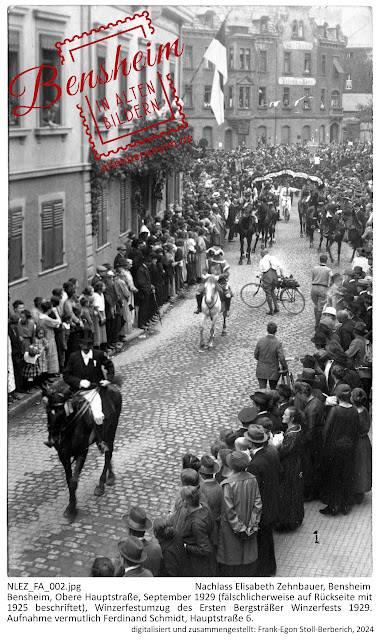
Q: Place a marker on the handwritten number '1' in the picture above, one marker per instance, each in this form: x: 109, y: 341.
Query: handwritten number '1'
x: 316, y: 537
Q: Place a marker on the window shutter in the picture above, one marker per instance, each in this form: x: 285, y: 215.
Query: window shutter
x: 58, y: 233
x: 123, y: 205
x: 15, y: 244
x: 47, y: 235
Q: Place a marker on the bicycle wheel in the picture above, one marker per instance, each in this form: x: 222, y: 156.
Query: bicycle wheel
x: 293, y: 301
x: 253, y: 295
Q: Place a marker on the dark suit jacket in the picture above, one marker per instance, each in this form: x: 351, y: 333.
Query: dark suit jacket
x: 345, y: 333
x: 76, y: 370
x: 143, y: 279
x: 269, y: 355
x: 265, y: 465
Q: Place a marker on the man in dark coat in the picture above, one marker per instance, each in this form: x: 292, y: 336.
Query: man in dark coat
x: 265, y: 465
x: 120, y: 257
x: 269, y: 355
x: 345, y: 330
x: 143, y: 283
x: 137, y: 524
x: 84, y: 372
x: 132, y: 559
x: 211, y: 490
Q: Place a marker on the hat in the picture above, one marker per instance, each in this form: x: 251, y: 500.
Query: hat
x: 216, y: 194
x: 337, y: 355
x: 132, y: 549
x: 360, y: 327
x: 307, y: 375
x: 257, y: 434
x: 101, y: 268
x: 217, y: 251
x: 85, y: 335
x: 32, y: 355
x: 237, y: 460
x: 357, y: 269
x: 319, y: 339
x: 308, y: 361
x: 248, y: 415
x: 331, y: 311
x: 137, y: 519
x: 111, y: 273
x: 348, y: 272
x: 260, y: 398
x: 208, y: 465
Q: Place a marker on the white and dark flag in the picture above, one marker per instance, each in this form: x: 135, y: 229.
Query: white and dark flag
x: 217, y: 54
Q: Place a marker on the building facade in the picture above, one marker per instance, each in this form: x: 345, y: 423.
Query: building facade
x: 358, y: 93
x: 50, y: 205
x: 285, y: 77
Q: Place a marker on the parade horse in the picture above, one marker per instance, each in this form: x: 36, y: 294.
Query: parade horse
x: 246, y: 227
x: 212, y: 307
x: 71, y: 423
x: 355, y: 228
x: 266, y: 222
x: 333, y: 229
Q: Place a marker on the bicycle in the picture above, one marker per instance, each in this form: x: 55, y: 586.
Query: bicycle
x: 293, y: 301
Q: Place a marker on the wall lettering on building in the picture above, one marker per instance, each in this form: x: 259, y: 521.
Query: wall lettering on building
x: 304, y: 82
x: 298, y: 45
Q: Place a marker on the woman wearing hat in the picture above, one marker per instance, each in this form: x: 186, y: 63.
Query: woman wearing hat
x: 338, y: 459
x: 241, y: 511
x: 356, y: 350
x: 196, y: 535
x: 363, y: 465
x: 132, y: 557
x: 291, y: 510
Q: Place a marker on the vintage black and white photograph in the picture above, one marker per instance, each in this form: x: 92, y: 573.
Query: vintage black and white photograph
x: 190, y: 291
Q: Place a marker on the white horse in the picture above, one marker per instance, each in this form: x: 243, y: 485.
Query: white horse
x: 211, y: 308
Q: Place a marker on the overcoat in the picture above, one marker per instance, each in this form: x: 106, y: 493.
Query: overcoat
x: 265, y: 465
x: 269, y: 355
x: 76, y: 370
x: 241, y: 511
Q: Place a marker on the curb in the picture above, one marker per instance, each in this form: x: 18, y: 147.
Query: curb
x: 35, y: 398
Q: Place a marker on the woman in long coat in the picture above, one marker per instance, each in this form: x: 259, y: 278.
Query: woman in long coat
x: 196, y: 536
x: 201, y: 254
x: 49, y: 324
x: 338, y: 459
x: 363, y: 462
x: 291, y: 510
x: 241, y: 512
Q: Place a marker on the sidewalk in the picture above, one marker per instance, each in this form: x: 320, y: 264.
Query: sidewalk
x: 35, y: 398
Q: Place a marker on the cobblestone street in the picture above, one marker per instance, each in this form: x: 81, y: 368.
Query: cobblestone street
x: 175, y: 400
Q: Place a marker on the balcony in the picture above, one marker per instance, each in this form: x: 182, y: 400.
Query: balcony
x: 336, y: 111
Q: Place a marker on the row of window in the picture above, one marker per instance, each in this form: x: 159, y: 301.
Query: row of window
x: 297, y: 26
x: 244, y: 97
x: 261, y: 136
x: 242, y: 60
x: 48, y: 55
x: 52, y: 230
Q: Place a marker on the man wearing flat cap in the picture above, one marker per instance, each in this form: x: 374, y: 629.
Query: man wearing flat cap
x: 241, y: 511
x: 132, y: 557
x: 101, y: 271
x: 120, y: 257
x: 265, y: 465
x: 246, y: 416
x: 137, y: 524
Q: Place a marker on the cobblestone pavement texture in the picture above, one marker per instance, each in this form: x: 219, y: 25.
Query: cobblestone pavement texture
x: 175, y: 400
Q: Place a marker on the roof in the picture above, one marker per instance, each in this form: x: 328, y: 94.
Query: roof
x: 351, y: 100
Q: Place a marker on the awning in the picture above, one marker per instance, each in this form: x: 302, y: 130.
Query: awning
x: 337, y: 66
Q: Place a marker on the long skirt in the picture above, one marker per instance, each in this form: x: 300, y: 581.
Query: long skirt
x: 363, y: 466
x: 100, y: 336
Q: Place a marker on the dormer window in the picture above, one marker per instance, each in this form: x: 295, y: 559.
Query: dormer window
x: 209, y: 20
x: 264, y: 24
x: 294, y: 29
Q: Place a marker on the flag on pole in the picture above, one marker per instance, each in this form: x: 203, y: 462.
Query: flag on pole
x: 217, y: 54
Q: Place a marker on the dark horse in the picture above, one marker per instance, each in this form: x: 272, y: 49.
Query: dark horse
x: 266, y: 221
x: 246, y: 226
x: 73, y: 435
x: 355, y: 226
x: 333, y: 229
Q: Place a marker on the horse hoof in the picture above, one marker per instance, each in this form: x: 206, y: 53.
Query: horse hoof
x: 70, y: 513
x: 249, y: 262
x: 99, y: 490
x: 110, y: 481
x: 224, y: 333
x: 301, y: 235
x: 240, y: 262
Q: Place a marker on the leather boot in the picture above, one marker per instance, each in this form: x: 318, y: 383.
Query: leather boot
x: 199, y: 303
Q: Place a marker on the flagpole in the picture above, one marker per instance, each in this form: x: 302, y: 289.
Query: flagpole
x: 199, y: 66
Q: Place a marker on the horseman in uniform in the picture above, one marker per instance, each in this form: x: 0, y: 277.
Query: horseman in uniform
x: 216, y: 265
x: 84, y: 375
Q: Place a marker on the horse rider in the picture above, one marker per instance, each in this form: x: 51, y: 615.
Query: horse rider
x: 84, y: 375
x: 217, y: 266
